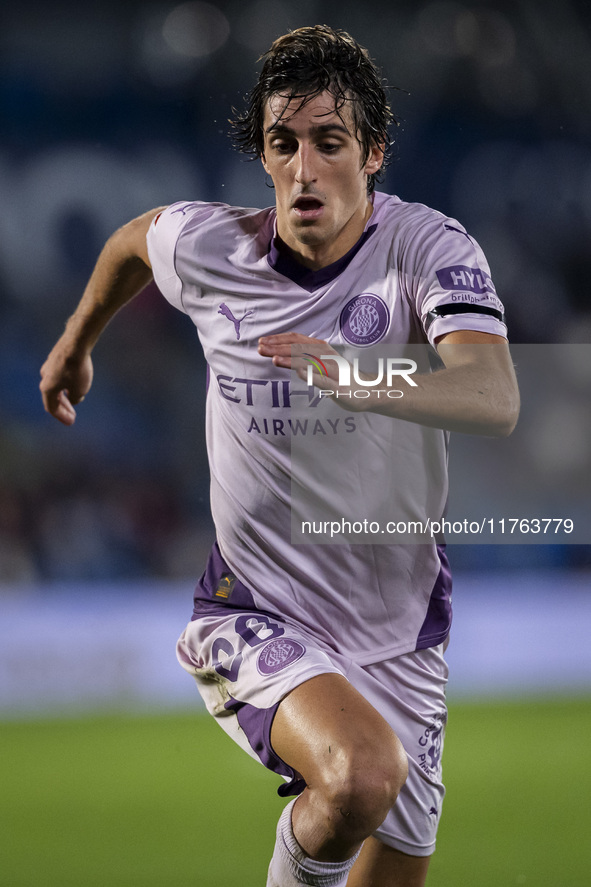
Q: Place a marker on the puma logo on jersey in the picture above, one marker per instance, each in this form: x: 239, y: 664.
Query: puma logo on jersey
x: 235, y: 320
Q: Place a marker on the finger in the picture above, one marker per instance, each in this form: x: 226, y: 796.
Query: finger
x: 284, y: 361
x: 287, y: 361
x: 268, y: 349
x: 50, y: 398
x: 65, y: 415
x: 295, y: 350
x: 60, y: 408
x: 286, y: 340
x: 282, y: 338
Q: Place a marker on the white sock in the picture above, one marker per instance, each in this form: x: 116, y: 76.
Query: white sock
x: 290, y: 867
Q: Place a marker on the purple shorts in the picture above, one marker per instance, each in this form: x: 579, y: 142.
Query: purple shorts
x: 245, y: 662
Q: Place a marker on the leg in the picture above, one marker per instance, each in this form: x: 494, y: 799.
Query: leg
x: 381, y: 866
x: 352, y: 761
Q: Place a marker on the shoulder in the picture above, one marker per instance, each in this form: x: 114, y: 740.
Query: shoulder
x: 404, y: 218
x: 191, y: 215
x: 199, y: 228
x: 417, y: 232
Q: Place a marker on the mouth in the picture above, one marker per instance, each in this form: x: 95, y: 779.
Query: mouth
x: 308, y: 208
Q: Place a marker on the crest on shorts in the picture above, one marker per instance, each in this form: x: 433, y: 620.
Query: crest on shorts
x: 364, y: 320
x: 278, y: 654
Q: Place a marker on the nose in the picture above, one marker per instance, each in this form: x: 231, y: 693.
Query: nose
x: 305, y: 171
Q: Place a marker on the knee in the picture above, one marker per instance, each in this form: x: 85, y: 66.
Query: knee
x: 366, y: 781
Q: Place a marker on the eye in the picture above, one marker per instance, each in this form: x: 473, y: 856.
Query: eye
x: 329, y: 147
x: 280, y: 146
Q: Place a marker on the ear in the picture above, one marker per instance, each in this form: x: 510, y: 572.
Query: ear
x: 375, y: 160
x: 264, y: 162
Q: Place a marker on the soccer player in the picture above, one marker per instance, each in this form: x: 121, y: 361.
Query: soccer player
x: 325, y: 663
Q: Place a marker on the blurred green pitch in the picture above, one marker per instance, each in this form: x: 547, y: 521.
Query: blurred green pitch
x: 169, y: 800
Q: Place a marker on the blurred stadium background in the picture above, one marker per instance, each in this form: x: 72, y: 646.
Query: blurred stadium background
x: 110, y: 108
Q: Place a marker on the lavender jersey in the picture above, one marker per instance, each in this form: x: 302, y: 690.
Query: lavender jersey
x: 414, y: 276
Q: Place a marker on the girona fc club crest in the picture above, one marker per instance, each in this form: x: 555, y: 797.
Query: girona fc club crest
x: 278, y: 654
x: 364, y: 319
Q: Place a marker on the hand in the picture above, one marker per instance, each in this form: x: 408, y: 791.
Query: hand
x: 294, y: 351
x: 307, y: 356
x: 65, y: 381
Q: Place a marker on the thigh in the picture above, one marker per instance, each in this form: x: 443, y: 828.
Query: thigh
x: 409, y: 691
x: 244, y: 663
x: 326, y: 726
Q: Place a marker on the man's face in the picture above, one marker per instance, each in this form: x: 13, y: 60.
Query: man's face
x: 313, y: 156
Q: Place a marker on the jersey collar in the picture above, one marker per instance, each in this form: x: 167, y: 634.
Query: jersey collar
x: 281, y: 260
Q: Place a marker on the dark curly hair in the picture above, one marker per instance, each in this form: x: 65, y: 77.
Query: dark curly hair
x: 306, y: 62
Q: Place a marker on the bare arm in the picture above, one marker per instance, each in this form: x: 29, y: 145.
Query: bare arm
x: 121, y: 272
x: 476, y: 393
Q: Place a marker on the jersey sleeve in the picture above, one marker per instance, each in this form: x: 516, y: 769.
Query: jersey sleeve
x: 453, y: 287
x: 162, y: 241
